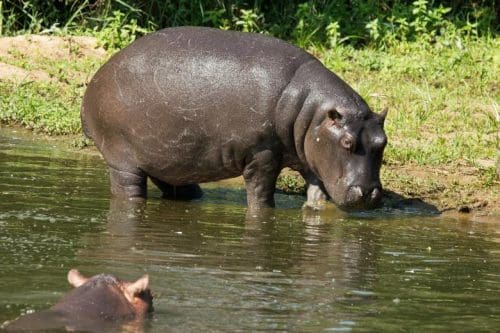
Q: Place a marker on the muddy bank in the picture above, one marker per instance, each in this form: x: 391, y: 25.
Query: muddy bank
x: 458, y: 193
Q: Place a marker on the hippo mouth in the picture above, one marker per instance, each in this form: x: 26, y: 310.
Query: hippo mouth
x: 358, y: 198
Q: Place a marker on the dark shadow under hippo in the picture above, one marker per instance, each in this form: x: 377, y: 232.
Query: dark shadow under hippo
x: 102, y: 303
x: 189, y: 105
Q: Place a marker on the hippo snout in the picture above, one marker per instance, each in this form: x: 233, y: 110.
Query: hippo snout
x: 359, y: 197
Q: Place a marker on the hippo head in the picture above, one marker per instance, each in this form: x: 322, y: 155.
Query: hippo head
x: 108, y: 296
x: 345, y: 151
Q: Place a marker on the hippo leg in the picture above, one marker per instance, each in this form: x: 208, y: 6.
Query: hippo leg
x: 316, y: 194
x: 186, y: 192
x: 128, y: 184
x: 260, y: 176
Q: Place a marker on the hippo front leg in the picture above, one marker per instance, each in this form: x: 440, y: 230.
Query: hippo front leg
x: 316, y: 194
x: 260, y: 176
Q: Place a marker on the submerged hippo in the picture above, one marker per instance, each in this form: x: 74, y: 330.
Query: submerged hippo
x: 189, y: 105
x: 101, y: 303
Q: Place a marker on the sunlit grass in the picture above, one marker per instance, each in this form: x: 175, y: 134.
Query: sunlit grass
x: 443, y: 103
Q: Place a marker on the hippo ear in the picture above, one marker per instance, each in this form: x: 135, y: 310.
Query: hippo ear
x: 383, y: 114
x: 75, y: 278
x: 135, y: 288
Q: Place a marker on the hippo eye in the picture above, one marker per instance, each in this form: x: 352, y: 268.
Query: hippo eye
x: 335, y: 117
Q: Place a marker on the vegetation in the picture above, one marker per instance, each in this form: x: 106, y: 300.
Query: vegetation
x: 434, y: 64
x: 303, y: 22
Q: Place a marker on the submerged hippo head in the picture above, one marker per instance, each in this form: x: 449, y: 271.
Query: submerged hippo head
x: 102, y: 303
x: 345, y: 151
x: 108, y: 296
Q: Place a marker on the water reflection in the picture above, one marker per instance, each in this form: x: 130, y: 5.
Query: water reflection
x: 218, y: 268
x: 287, y: 269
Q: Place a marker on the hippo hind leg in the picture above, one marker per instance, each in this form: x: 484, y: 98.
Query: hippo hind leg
x: 185, y: 192
x: 128, y: 184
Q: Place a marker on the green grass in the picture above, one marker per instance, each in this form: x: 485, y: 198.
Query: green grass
x: 51, y: 107
x: 40, y: 106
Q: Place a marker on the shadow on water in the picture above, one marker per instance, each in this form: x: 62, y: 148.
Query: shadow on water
x: 214, y: 268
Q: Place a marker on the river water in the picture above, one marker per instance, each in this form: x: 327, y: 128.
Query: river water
x: 215, y: 269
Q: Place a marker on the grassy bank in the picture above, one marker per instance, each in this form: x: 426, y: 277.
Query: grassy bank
x: 43, y: 79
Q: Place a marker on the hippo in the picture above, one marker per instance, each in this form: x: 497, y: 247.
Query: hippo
x: 101, y: 303
x: 188, y: 105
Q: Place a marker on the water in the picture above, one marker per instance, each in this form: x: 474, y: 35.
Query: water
x: 215, y: 269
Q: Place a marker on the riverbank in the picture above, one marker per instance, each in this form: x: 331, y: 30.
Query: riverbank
x: 442, y: 123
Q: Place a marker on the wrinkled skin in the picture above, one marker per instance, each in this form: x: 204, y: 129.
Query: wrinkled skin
x: 190, y: 105
x: 102, y: 303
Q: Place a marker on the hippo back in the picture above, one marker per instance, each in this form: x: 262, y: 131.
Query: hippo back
x: 190, y: 92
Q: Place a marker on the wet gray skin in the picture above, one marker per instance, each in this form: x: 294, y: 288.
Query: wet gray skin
x: 214, y: 268
x: 190, y: 105
x: 102, y: 303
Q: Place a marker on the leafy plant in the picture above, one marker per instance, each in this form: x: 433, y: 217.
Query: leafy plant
x: 424, y: 24
x: 383, y: 24
x: 334, y: 37
x: 118, y: 32
x: 249, y: 20
x: 305, y: 29
x: 292, y: 184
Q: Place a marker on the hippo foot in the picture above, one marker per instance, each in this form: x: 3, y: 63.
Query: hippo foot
x: 315, y: 205
x: 316, y: 198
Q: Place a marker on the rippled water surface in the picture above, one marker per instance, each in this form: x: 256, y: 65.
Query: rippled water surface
x: 215, y: 269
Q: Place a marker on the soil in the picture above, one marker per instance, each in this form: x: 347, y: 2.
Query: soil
x: 17, y: 74
x: 461, y: 191
x: 50, y: 47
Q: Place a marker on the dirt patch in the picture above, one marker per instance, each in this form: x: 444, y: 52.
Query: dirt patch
x: 462, y: 191
x: 32, y: 48
x: 53, y: 47
x: 16, y: 74
x: 459, y: 190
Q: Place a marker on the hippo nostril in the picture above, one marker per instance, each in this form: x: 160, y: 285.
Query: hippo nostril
x: 355, y: 193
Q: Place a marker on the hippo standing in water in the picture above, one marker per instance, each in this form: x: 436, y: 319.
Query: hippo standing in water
x: 102, y: 303
x: 189, y: 105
